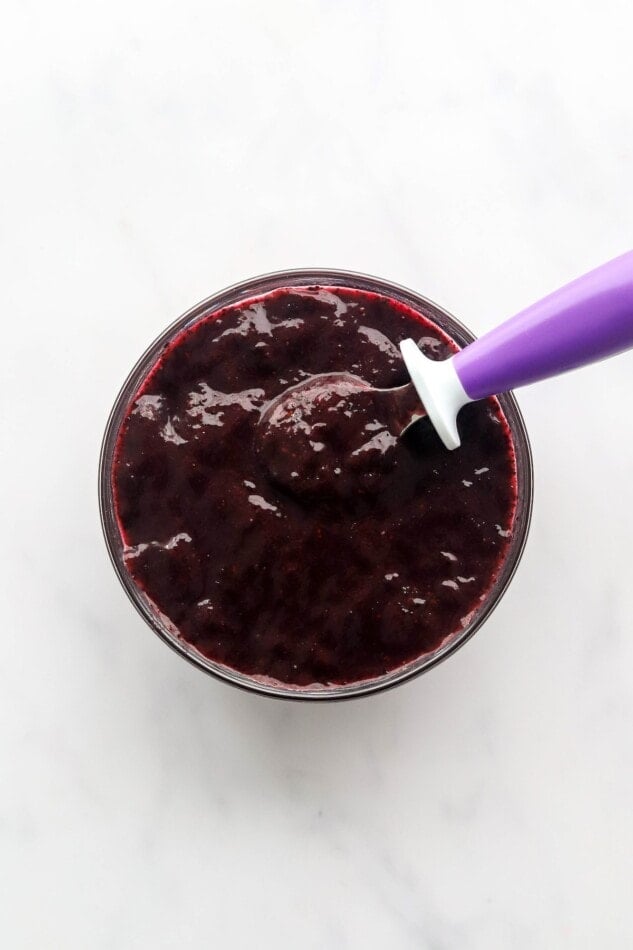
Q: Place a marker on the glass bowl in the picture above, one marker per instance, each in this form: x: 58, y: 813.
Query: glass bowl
x: 160, y: 624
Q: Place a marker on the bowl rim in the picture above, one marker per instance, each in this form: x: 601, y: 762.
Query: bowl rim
x: 253, y: 287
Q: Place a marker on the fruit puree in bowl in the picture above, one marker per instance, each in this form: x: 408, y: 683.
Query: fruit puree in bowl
x: 322, y: 559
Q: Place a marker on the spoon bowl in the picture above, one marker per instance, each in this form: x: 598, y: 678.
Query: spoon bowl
x: 333, y: 434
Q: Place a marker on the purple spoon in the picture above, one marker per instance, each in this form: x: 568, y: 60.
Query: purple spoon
x: 583, y: 322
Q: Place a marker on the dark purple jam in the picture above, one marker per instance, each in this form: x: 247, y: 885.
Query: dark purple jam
x: 303, y: 564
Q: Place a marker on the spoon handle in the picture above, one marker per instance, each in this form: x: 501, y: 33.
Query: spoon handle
x: 585, y: 321
x: 581, y: 323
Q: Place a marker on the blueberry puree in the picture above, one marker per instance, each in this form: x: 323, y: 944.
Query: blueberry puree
x: 318, y: 547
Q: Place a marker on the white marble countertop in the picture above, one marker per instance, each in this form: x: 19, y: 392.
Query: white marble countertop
x: 153, y: 153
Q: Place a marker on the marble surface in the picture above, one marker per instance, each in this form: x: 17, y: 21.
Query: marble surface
x: 151, y: 154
